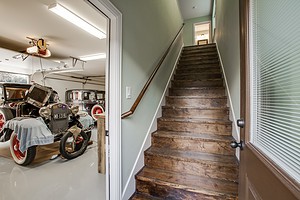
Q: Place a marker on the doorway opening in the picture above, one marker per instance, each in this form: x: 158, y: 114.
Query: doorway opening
x: 202, y: 33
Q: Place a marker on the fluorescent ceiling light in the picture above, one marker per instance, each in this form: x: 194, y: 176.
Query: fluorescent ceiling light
x: 71, y: 17
x: 93, y: 57
x: 65, y: 70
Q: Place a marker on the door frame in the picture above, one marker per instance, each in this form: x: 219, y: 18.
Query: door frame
x: 113, y: 86
x: 210, y: 32
x: 245, y: 61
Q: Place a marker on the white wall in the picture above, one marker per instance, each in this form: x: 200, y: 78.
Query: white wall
x: 227, y: 39
x: 148, y: 29
x: 188, y: 32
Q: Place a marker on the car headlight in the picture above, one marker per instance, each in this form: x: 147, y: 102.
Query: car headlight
x: 74, y: 109
x: 45, y: 112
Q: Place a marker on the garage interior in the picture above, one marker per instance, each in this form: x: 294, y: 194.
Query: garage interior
x: 63, y: 65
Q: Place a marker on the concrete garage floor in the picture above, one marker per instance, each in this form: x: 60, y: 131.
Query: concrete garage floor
x: 56, y: 179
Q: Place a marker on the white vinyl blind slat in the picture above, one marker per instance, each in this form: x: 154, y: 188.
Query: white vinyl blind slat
x: 283, y: 159
x: 294, y: 165
x: 295, y: 162
x: 275, y: 78
x: 283, y: 136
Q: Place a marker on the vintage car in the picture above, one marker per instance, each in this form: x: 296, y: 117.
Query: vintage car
x: 90, y: 101
x: 10, y: 95
x: 40, y: 120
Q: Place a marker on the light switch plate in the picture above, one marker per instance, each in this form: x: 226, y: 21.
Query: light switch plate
x: 128, y: 92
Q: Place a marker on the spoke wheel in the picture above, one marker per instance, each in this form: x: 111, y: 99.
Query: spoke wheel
x: 5, y: 115
x: 96, y: 110
x: 20, y: 158
x: 71, y: 147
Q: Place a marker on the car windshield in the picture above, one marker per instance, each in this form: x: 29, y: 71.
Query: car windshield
x: 100, y: 95
x: 13, y: 93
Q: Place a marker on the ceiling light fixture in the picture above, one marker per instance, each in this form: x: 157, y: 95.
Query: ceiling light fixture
x: 93, y: 57
x: 71, y: 17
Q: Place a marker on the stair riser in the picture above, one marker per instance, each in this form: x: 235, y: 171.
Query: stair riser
x: 200, y: 93
x: 204, y: 169
x: 198, y: 70
x: 198, y: 76
x: 192, y: 57
x: 198, y: 57
x: 198, y: 66
x: 167, y: 192
x: 200, y: 103
x: 195, y: 113
x: 205, y: 83
x: 199, y: 62
x: 217, y: 129
x: 204, y: 49
x: 198, y: 53
x: 198, y: 145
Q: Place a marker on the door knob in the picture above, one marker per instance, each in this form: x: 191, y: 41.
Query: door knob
x: 240, y: 123
x: 235, y: 144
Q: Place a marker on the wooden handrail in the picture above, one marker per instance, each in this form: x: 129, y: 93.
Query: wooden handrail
x: 143, y: 91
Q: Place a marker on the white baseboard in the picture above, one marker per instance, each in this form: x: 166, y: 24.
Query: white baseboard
x: 232, y: 117
x: 129, y: 188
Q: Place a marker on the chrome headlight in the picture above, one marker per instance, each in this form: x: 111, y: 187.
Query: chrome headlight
x: 74, y: 109
x: 45, y: 112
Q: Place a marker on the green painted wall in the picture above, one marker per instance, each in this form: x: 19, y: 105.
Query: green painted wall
x: 188, y: 31
x: 148, y: 29
x: 227, y: 38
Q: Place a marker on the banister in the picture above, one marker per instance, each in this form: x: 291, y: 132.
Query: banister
x: 143, y: 91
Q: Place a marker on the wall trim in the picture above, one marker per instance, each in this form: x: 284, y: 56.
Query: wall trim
x: 235, y: 130
x: 129, y: 188
x: 113, y: 86
x: 199, y: 23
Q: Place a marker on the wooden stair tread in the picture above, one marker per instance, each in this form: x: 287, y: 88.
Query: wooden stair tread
x: 195, y: 156
x: 192, y: 136
x: 198, y: 120
x: 200, y: 88
x: 194, y: 108
x: 200, y: 73
x: 200, y: 46
x: 199, y: 59
x: 213, y: 53
x: 197, y: 83
x: 198, y: 65
x: 196, y: 76
x: 188, y: 182
x: 141, y: 196
x: 199, y: 62
x: 196, y: 97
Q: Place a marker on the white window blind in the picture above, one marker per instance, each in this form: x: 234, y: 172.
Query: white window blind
x: 275, y: 72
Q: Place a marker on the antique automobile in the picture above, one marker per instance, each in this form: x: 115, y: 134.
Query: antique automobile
x: 10, y: 95
x: 90, y: 101
x: 41, y: 120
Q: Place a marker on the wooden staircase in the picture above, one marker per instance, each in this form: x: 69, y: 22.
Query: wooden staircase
x: 190, y: 156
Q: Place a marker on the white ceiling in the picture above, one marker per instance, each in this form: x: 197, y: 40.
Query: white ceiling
x: 31, y: 18
x: 195, y: 8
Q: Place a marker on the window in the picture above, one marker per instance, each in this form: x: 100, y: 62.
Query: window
x: 6, y: 77
x: 275, y: 68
